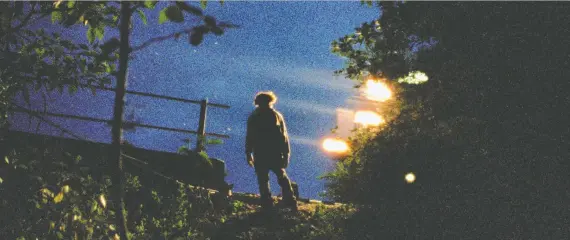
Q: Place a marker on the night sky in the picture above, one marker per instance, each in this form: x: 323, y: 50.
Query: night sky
x: 280, y: 46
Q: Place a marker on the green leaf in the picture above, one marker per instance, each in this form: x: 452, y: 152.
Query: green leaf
x: 70, y: 4
x: 72, y: 89
x: 40, y: 51
x: 369, y: 3
x: 82, y: 65
x: 196, y: 38
x: 58, y: 198
x: 142, y: 16
x: 150, y: 4
x: 174, y: 14
x: 183, y: 149
x: 94, y: 206
x: 189, y: 8
x: 162, y: 16
x: 56, y: 16
x: 91, y: 34
x: 1, y: 180
x: 107, y: 67
x: 203, y: 4
x: 68, y: 44
x: 210, y: 21
x: 110, y: 46
x: 214, y: 141
x: 100, y: 32
x: 6, y: 160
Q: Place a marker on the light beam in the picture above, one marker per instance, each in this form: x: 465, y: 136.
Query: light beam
x: 377, y: 91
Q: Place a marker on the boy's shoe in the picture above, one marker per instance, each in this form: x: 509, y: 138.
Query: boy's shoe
x: 266, y: 203
x: 292, y: 204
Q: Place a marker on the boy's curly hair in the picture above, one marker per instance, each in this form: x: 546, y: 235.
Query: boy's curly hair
x: 265, y: 98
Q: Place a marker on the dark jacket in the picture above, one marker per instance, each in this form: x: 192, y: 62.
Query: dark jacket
x: 260, y: 127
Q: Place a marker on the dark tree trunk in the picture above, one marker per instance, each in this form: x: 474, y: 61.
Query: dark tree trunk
x: 117, y: 134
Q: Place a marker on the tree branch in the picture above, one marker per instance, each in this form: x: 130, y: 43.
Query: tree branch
x: 117, y: 128
x: 160, y: 39
x: 25, y: 22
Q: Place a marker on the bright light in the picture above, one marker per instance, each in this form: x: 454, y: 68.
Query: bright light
x: 416, y: 77
x: 368, y: 118
x: 410, y: 177
x: 335, y: 145
x: 103, y: 201
x: 377, y: 91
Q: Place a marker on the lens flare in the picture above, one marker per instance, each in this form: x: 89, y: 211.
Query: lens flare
x: 377, y: 91
x: 410, y: 177
x: 368, y: 118
x: 335, y: 145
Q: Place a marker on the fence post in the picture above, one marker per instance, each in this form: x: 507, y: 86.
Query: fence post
x: 202, y: 126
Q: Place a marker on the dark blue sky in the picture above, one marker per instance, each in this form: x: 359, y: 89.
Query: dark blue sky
x: 280, y: 46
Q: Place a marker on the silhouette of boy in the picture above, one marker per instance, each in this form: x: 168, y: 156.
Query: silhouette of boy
x: 267, y: 148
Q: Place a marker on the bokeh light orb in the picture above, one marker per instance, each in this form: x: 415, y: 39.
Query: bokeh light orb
x: 410, y: 177
x: 368, y: 118
x: 334, y: 145
x: 377, y: 91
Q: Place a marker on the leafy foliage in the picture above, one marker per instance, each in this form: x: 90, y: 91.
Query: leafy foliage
x: 467, y: 131
x: 49, y: 61
x: 44, y: 196
x: 51, y: 194
x: 46, y: 60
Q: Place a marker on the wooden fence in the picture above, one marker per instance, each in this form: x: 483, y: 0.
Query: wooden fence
x: 200, y: 132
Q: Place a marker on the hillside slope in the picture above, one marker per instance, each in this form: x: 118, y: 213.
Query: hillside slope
x: 313, y: 220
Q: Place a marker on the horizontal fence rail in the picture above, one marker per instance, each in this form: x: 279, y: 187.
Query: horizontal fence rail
x: 127, y: 123
x: 158, y: 96
x: 201, y: 131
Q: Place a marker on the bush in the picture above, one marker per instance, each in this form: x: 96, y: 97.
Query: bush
x: 51, y: 194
